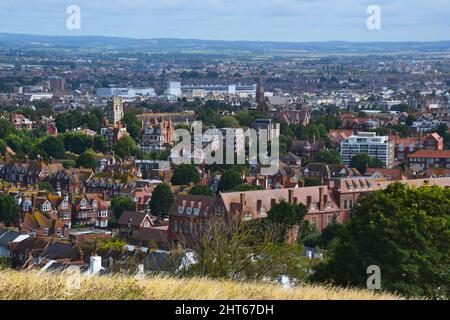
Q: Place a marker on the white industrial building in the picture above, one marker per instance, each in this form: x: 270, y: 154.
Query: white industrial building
x: 125, y: 93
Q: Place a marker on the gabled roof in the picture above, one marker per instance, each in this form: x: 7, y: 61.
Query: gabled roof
x: 59, y: 250
x: 135, y: 219
x: 30, y: 244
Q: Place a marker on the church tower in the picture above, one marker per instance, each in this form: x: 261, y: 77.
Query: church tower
x: 260, y: 98
x: 262, y: 102
x: 114, y: 110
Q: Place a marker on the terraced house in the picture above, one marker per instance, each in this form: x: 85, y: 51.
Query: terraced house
x: 325, y: 204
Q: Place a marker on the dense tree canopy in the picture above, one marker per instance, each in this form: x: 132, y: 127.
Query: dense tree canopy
x: 125, y: 147
x: 229, y: 180
x: 331, y: 156
x: 53, y: 147
x: 185, y: 174
x: 77, y: 142
x: 87, y: 160
x: 9, y: 212
x: 200, y: 190
x: 121, y: 204
x: 162, y: 200
x: 406, y: 232
x: 285, y: 215
x: 362, y: 161
x: 132, y: 124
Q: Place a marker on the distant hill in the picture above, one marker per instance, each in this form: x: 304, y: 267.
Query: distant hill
x: 23, y: 41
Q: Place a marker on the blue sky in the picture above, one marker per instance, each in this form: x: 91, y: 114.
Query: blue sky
x: 278, y: 20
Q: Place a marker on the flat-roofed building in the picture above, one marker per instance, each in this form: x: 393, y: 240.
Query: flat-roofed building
x: 379, y: 147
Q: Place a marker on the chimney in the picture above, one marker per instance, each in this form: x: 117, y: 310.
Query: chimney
x: 331, y: 184
x: 242, y: 198
x: 291, y: 196
x: 95, y: 265
x: 321, y: 195
x: 81, y: 253
x: 308, y: 202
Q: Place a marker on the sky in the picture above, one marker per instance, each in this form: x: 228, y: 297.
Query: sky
x: 263, y: 20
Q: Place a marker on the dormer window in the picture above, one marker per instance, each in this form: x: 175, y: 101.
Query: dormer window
x: 83, y: 204
x: 94, y: 204
x: 46, y: 207
x: 64, y: 205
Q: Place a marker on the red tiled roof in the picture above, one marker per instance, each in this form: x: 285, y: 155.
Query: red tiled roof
x: 430, y: 154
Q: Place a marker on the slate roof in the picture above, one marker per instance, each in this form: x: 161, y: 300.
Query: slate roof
x: 7, y: 237
x: 59, y: 250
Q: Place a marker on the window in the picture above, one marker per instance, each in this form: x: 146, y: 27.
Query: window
x: 46, y: 207
x: 345, y: 204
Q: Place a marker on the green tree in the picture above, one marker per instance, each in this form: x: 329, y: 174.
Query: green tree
x: 229, y: 180
x: 185, y: 174
x: 362, y: 161
x: 247, y: 187
x: 233, y: 249
x: 245, y: 119
x: 100, y: 144
x: 62, y: 122
x: 132, y: 124
x: 331, y: 156
x: 121, y: 204
x: 14, y: 142
x: 9, y: 212
x: 285, y: 215
x: 228, y: 122
x: 2, y: 145
x: 200, y: 190
x: 312, y: 182
x: 87, y: 160
x: 125, y: 147
x: 410, y: 120
x: 53, y: 147
x: 92, y: 122
x: 162, y: 200
x: 6, y: 128
x: 45, y: 186
x: 77, y: 142
x: 404, y: 231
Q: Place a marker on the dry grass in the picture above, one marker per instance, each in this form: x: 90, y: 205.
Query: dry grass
x: 50, y: 286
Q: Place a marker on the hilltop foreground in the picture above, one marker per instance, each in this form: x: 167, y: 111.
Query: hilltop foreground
x: 50, y: 286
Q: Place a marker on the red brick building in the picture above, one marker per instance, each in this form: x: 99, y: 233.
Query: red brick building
x: 425, y: 159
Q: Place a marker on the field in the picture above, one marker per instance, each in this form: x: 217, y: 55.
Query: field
x: 33, y: 285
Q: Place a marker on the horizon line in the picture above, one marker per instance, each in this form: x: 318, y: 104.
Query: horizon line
x: 213, y: 40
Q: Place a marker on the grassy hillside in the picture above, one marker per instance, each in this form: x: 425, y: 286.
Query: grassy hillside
x: 39, y: 286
